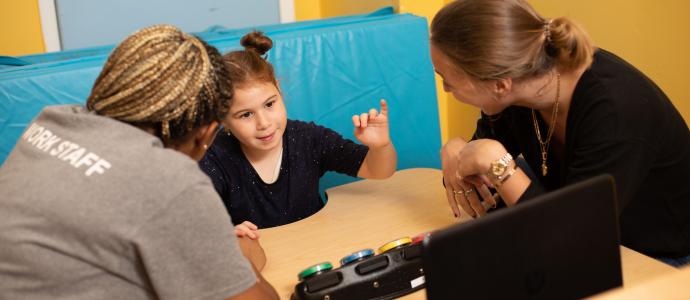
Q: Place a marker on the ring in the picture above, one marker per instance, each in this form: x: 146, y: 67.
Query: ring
x: 468, y: 192
x: 458, y: 192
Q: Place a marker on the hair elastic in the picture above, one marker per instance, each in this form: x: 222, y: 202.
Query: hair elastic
x: 547, y: 30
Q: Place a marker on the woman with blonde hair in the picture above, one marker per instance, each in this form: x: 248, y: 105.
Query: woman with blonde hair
x: 571, y: 110
x: 107, y: 200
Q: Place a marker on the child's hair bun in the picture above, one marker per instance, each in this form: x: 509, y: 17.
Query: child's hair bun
x: 257, y: 42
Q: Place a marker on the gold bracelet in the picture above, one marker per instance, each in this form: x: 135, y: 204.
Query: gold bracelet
x: 504, y: 177
x: 499, y: 169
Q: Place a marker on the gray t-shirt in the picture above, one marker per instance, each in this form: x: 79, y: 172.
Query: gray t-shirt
x: 93, y: 208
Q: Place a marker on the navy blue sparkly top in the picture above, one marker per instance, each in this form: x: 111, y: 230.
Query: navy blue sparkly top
x: 309, y: 150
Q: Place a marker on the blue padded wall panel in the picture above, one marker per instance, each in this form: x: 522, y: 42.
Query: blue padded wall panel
x: 329, y: 70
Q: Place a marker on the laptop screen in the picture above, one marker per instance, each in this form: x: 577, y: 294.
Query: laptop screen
x: 560, y: 245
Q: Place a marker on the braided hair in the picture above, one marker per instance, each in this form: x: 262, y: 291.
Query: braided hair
x: 165, y: 79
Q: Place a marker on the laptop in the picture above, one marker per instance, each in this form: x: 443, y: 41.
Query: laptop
x: 560, y: 245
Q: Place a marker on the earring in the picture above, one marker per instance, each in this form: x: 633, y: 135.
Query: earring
x: 205, y: 146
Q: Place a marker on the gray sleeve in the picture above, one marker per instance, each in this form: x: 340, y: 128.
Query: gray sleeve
x: 189, y: 249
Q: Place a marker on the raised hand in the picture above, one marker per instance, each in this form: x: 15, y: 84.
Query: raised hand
x: 371, y: 128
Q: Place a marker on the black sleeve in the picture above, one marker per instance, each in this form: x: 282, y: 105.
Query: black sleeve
x: 535, y: 188
x: 337, y: 153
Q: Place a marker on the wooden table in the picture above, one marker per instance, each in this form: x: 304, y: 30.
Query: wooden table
x: 670, y: 285
x: 370, y: 213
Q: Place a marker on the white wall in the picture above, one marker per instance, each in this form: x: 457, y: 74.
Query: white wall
x: 88, y: 23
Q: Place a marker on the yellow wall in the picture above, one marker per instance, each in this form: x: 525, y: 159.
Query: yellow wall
x: 456, y: 119
x: 351, y: 7
x: 319, y: 9
x: 308, y: 10
x: 20, y: 28
x: 652, y: 35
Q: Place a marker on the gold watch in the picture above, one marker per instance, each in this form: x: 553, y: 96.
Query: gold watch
x: 500, y: 169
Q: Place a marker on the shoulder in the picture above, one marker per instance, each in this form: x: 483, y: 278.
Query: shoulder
x: 153, y: 171
x: 613, y: 88
x: 301, y: 126
x: 225, y: 151
x: 175, y: 170
x: 179, y: 183
x: 613, y: 102
x: 610, y: 77
x: 146, y: 180
x: 224, y: 163
x: 297, y: 129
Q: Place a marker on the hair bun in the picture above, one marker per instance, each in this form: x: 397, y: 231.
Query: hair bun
x: 257, y: 41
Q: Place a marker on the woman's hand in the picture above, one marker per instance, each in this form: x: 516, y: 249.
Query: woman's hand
x: 475, y: 191
x: 474, y: 163
x: 247, y: 229
x: 371, y: 128
x: 449, y: 162
x: 465, y: 177
x: 476, y: 157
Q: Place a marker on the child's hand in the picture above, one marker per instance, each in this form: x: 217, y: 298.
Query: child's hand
x: 371, y: 128
x: 247, y: 229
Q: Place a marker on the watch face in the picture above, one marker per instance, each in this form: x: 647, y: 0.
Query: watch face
x: 498, y: 167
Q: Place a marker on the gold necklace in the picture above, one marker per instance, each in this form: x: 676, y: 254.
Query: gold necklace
x: 544, y: 146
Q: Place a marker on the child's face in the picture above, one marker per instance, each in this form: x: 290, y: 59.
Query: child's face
x: 257, y: 116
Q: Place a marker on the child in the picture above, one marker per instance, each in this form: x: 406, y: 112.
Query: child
x: 266, y: 168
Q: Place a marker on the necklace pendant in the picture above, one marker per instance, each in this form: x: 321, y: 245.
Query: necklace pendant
x: 544, y: 168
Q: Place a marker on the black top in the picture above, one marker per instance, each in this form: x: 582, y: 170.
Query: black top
x: 309, y: 151
x: 619, y: 123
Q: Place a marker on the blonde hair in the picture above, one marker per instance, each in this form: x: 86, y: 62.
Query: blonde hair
x: 163, y: 78
x: 495, y: 39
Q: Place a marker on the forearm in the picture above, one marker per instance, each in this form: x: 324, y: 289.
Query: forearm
x: 449, y: 152
x: 489, y: 157
x: 255, y: 254
x: 266, y: 287
x: 454, y: 145
x: 261, y: 290
x: 379, y: 163
x: 253, y: 251
x: 512, y: 189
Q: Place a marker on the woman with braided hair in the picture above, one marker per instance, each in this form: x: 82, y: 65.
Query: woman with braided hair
x: 571, y: 110
x: 107, y: 201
